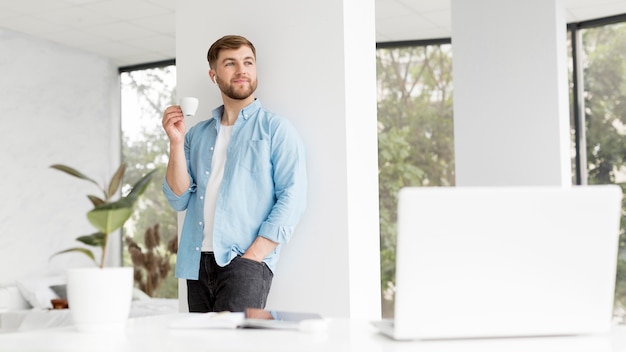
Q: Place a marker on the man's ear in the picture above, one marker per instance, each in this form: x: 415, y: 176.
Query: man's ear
x: 212, y: 75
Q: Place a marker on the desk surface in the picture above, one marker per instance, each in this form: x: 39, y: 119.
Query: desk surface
x: 153, y: 334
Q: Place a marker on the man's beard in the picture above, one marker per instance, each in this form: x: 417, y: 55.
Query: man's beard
x: 237, y: 94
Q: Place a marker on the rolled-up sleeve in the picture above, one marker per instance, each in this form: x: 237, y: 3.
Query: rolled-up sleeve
x: 290, y: 184
x: 177, y: 202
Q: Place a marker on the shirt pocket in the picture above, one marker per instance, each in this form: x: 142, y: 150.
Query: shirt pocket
x: 256, y: 156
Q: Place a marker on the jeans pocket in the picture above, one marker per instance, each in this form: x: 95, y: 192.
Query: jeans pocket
x: 242, y: 264
x: 253, y: 267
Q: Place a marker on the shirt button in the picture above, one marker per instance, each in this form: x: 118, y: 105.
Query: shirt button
x: 197, y: 248
x: 211, y: 148
x: 201, y: 197
x: 206, y: 172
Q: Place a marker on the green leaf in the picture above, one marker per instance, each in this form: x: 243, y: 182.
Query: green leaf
x: 141, y: 185
x: 85, y: 251
x: 96, y: 201
x: 110, y: 217
x: 120, y: 203
x: 73, y: 172
x: 97, y: 239
x: 116, y: 180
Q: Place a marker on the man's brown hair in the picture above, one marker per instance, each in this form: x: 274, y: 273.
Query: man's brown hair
x: 227, y: 42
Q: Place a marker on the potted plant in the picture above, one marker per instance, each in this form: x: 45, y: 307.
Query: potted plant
x: 99, y: 298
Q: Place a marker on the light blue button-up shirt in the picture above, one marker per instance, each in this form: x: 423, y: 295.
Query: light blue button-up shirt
x: 263, y: 192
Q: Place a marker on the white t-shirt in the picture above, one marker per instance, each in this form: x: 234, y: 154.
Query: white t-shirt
x: 213, y: 187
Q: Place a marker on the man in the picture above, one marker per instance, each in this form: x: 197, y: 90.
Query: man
x: 241, y: 177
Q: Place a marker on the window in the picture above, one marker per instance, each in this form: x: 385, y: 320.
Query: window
x: 415, y: 135
x: 150, y: 236
x: 602, y: 139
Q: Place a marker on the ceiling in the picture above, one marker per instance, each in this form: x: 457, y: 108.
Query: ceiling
x: 132, y: 32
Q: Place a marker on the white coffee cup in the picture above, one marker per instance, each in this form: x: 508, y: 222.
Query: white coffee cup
x: 189, y: 105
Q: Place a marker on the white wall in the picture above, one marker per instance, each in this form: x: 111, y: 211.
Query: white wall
x: 57, y: 107
x: 511, y: 112
x: 316, y: 66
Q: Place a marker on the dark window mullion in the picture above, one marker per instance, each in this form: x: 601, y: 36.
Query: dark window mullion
x: 578, y: 108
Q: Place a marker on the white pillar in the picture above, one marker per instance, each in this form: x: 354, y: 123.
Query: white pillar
x: 511, y: 113
x: 316, y: 66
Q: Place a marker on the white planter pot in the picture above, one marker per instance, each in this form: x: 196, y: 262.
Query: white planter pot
x: 99, y: 299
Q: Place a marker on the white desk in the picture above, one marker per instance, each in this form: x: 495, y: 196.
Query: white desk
x: 152, y: 334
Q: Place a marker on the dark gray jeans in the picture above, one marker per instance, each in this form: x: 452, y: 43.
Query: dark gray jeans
x: 241, y: 284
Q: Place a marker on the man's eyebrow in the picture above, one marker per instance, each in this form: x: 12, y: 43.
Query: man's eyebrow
x: 234, y: 59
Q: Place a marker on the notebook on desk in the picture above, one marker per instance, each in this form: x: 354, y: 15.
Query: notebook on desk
x: 504, y: 261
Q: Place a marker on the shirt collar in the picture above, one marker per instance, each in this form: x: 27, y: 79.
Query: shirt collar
x: 246, y: 112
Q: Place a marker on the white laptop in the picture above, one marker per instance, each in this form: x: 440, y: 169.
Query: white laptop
x: 505, y: 261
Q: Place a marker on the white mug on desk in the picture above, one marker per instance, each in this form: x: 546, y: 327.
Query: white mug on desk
x: 189, y: 105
